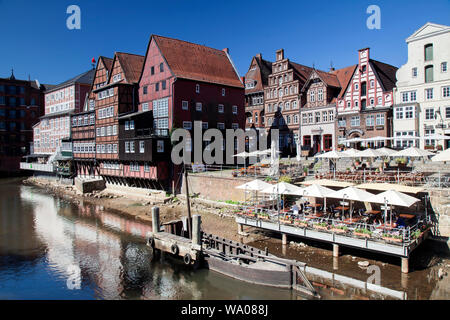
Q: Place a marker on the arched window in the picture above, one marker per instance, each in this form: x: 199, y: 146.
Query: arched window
x: 429, y: 73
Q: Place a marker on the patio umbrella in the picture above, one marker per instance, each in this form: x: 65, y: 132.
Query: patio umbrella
x: 328, y: 183
x: 317, y: 191
x: 386, y: 151
x: 255, y: 185
x: 284, y: 188
x: 299, y: 151
x: 436, y: 136
x: 329, y: 155
x: 352, y: 194
x: 369, y: 153
x: 413, y: 152
x: 442, y: 156
x: 393, y: 198
x: 349, y: 153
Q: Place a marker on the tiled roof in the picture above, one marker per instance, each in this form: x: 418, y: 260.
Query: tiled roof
x: 344, y: 76
x: 131, y: 65
x: 196, y: 62
x: 260, y: 74
x: 85, y: 78
x: 302, y: 71
x: 386, y: 74
x: 329, y: 78
x: 107, y: 62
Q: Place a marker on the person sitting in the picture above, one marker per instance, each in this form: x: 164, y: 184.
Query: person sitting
x: 295, y: 209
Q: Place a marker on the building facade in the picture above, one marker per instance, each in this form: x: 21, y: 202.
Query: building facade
x: 283, y: 100
x: 422, y: 96
x: 318, y: 125
x: 256, y: 81
x: 365, y: 108
x: 21, y: 105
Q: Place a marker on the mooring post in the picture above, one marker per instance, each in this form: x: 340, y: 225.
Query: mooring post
x: 335, y: 250
x: 284, y: 238
x: 240, y: 228
x: 196, y: 223
x: 155, y: 219
x: 405, y: 265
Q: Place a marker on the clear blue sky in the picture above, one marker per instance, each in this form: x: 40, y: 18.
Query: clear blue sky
x: 35, y: 39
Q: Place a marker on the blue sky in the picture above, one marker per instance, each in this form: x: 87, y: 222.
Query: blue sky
x: 36, y: 41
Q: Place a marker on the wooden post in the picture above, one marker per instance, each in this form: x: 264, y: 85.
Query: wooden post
x: 155, y: 219
x: 240, y: 228
x: 335, y: 250
x: 196, y: 236
x: 284, y: 238
x: 189, y: 225
x: 405, y: 265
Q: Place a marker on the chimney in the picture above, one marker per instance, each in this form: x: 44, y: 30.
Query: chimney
x: 226, y: 50
x: 280, y: 54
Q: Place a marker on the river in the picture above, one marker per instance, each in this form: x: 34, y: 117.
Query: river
x: 51, y: 248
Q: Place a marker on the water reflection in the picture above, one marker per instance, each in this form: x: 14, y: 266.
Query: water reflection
x: 51, y: 237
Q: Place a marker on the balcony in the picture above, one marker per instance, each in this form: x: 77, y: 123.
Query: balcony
x: 36, y: 167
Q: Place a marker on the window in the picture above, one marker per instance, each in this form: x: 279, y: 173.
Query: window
x: 220, y: 125
x: 235, y: 126
x: 108, y: 130
x: 223, y: 92
x: 131, y: 124
x: 444, y: 67
x: 160, y: 146
x: 235, y: 110
x: 430, y: 142
x: 114, y: 130
x: 355, y: 121
x: 312, y: 96
x: 131, y: 146
x: 380, y: 119
x: 204, y: 125
x: 429, y: 114
x: 414, y: 72
x: 413, y: 95
x: 320, y: 95
x: 163, y: 85
x: 428, y: 52
x: 187, y: 125
x: 294, y: 105
x: 447, y: 112
x: 185, y: 105
x: 198, y: 106
x: 446, y: 92
x: 363, y: 89
x: 152, y: 71
x: 145, y: 106
x: 429, y: 74
x: 317, y: 117
x: 372, y: 83
x: 220, y: 108
x: 197, y: 88
x: 356, y: 86
x: 399, y: 113
x: 141, y: 146
x: 146, y: 167
x: 370, y: 121
x: 145, y: 89
x: 325, y: 116
x: 429, y: 93
x: 157, y: 86
x: 405, y: 96
x: 161, y: 67
x: 127, y: 147
x: 409, y: 112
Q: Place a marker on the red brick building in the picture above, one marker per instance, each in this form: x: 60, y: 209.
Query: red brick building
x: 256, y: 80
x: 21, y: 105
x: 83, y: 124
x: 183, y: 82
x: 364, y: 107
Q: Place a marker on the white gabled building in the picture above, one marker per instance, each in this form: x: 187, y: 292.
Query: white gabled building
x: 422, y: 94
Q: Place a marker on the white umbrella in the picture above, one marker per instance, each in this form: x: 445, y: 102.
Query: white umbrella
x: 352, y: 194
x: 413, y: 152
x: 284, y: 188
x: 255, y: 185
x: 299, y: 151
x: 317, y: 191
x: 436, y: 137
x: 242, y: 155
x: 386, y: 151
x: 369, y: 153
x: 349, y: 153
x: 329, y: 155
x: 442, y: 156
x: 393, y: 198
x: 353, y: 140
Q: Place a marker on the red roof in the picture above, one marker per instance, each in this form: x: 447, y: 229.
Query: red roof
x: 196, y: 62
x: 131, y: 65
x: 344, y: 76
x: 107, y: 62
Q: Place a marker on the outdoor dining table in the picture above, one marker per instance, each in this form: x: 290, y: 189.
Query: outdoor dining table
x: 387, y: 226
x: 374, y: 212
x: 342, y: 208
x: 407, y: 216
x: 352, y: 220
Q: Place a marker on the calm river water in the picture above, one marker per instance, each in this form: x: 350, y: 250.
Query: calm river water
x: 51, y: 248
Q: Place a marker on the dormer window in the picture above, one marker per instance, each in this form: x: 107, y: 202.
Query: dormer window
x: 197, y: 88
x: 223, y: 92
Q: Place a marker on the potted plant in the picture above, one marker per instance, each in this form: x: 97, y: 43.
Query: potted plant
x: 305, y: 171
x: 321, y: 226
x: 286, y: 220
x: 357, y: 163
x: 362, y: 233
x: 392, y: 237
x: 300, y: 223
x: 347, y: 170
x: 264, y: 216
x: 339, y: 229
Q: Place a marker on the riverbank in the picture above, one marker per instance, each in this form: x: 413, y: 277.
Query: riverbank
x: 216, y: 218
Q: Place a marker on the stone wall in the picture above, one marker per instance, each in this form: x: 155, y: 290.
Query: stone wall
x: 440, y: 202
x: 215, y: 188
